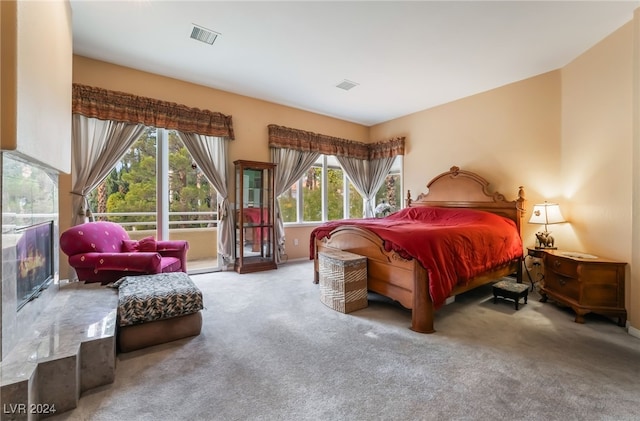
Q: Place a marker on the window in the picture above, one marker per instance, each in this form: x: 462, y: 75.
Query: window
x: 320, y: 194
x: 391, y: 190
x: 128, y: 196
x: 322, y: 191
x: 356, y: 202
x: 311, y: 192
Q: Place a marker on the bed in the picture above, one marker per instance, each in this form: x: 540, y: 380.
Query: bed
x: 393, y: 271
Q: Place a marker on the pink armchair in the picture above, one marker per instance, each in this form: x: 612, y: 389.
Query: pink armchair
x: 103, y: 252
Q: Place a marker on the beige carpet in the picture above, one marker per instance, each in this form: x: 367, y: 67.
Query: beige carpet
x: 270, y: 350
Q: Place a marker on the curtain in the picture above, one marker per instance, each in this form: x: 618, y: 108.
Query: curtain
x: 291, y: 166
x: 294, y: 150
x: 120, y: 106
x: 97, y: 146
x: 367, y: 177
x: 210, y: 154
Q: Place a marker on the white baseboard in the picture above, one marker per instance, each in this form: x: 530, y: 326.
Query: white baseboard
x: 633, y: 331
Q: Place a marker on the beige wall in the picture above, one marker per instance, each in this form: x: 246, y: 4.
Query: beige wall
x: 35, y: 124
x: 250, y: 120
x: 634, y: 284
x: 8, y: 74
x: 597, y: 159
x: 596, y: 145
x: 36, y: 81
x: 510, y: 136
x: 250, y: 116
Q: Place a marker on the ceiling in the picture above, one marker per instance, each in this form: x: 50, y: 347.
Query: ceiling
x: 404, y: 56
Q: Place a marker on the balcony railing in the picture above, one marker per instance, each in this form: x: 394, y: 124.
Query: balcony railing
x: 203, y: 251
x: 211, y: 218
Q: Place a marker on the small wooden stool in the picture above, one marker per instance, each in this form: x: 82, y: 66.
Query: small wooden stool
x: 511, y: 290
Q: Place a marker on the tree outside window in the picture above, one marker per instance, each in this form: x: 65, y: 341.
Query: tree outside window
x: 340, y: 202
x: 131, y: 186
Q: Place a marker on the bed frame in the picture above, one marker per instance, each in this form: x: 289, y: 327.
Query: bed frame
x: 406, y: 281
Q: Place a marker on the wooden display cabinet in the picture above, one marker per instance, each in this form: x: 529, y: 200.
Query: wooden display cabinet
x: 254, y: 216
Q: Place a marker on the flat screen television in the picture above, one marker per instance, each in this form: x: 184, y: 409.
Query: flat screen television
x: 34, y: 253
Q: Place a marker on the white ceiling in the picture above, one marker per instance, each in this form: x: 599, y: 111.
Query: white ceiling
x: 405, y: 56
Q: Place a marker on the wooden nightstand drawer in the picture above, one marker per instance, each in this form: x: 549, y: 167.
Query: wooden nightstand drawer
x: 562, y: 266
x: 567, y: 286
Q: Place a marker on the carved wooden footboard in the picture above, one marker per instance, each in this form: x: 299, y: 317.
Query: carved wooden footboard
x: 406, y: 281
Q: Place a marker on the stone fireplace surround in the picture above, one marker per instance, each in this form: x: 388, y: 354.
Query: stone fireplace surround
x: 62, y: 342
x: 38, y: 203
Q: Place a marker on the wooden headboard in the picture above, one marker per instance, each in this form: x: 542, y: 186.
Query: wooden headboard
x: 464, y: 189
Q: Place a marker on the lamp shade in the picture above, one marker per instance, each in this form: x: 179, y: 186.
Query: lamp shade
x: 546, y: 213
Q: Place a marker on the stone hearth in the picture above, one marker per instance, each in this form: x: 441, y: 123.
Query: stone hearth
x: 69, y: 350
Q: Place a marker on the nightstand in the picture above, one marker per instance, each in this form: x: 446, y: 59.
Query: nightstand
x: 585, y: 283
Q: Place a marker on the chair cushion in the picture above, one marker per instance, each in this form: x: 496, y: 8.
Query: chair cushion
x: 170, y: 264
x: 129, y: 246
x: 150, y: 262
x: 145, y: 244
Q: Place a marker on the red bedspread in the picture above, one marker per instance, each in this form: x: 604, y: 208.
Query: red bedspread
x: 453, y: 245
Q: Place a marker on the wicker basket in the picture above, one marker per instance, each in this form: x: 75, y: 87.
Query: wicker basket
x: 343, y: 280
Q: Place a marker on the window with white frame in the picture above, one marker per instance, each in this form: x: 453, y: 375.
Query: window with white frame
x: 325, y: 193
x: 158, y: 161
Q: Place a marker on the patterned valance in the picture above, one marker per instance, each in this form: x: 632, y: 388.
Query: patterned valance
x: 119, y: 106
x: 287, y: 138
x: 386, y: 149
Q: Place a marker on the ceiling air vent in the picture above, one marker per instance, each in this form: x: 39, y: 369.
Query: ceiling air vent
x: 346, y: 85
x: 203, y: 34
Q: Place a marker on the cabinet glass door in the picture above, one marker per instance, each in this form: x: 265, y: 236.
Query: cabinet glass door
x: 254, y: 216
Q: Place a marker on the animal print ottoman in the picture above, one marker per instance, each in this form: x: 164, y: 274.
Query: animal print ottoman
x: 159, y: 308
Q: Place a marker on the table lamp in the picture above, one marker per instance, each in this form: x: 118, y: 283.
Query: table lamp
x: 546, y: 213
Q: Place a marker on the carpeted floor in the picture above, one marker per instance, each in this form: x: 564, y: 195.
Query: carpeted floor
x: 270, y: 350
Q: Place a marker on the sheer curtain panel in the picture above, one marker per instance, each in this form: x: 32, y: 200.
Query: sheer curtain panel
x: 367, y: 177
x: 296, y: 150
x: 210, y: 154
x: 97, y: 146
x: 291, y: 166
